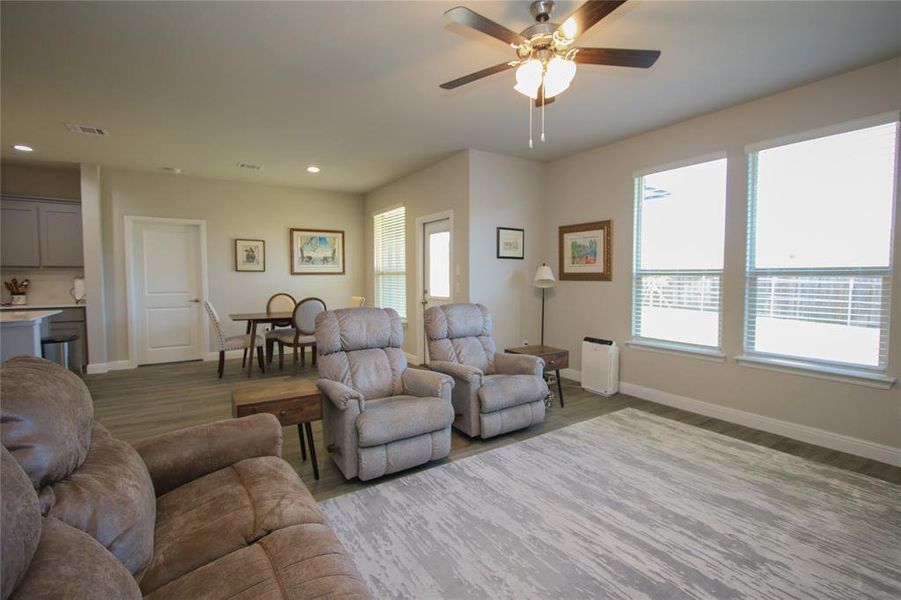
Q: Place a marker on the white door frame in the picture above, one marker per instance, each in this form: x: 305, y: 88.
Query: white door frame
x: 131, y: 294
x: 420, y: 254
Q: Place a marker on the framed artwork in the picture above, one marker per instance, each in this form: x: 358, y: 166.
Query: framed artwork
x: 250, y: 255
x: 585, y: 251
x: 317, y: 252
x: 510, y: 243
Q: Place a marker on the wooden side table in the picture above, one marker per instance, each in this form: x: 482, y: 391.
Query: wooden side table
x: 293, y: 402
x: 554, y: 360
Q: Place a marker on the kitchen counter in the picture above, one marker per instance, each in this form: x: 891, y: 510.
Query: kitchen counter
x: 21, y: 331
x: 6, y: 307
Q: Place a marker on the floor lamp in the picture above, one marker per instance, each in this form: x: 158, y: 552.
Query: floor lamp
x: 544, y: 279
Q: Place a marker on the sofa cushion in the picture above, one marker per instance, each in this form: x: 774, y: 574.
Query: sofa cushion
x: 20, y: 523
x: 71, y: 564
x: 46, y: 420
x: 504, y: 391
x: 227, y: 510
x: 399, y: 417
x: 299, y: 562
x: 110, y: 497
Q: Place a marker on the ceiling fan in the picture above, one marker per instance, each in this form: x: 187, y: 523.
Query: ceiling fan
x: 545, y: 57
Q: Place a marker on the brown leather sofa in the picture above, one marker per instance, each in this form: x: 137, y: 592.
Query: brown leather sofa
x: 205, y: 512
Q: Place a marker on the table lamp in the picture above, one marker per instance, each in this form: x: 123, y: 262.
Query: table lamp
x: 544, y: 278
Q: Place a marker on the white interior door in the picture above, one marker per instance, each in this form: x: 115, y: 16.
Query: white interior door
x: 167, y: 291
x: 436, y: 265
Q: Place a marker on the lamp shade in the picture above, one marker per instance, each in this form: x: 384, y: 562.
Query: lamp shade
x: 528, y: 78
x: 544, y: 277
x: 559, y: 75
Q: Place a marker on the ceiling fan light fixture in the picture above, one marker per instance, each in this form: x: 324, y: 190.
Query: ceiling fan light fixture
x: 528, y: 78
x: 558, y: 76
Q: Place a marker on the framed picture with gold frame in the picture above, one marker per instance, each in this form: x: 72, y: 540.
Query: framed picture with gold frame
x: 585, y: 251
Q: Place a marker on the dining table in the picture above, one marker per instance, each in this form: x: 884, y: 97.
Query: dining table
x: 254, y: 319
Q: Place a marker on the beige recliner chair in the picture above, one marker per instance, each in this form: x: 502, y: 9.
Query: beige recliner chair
x: 494, y: 392
x: 379, y: 417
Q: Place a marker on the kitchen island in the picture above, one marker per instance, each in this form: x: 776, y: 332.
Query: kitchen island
x: 21, y: 331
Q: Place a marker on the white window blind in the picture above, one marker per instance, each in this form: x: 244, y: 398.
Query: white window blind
x: 819, y: 249
x: 390, y: 260
x: 678, y: 262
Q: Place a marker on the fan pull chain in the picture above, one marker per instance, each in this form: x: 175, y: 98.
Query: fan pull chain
x: 530, y: 121
x: 543, y: 102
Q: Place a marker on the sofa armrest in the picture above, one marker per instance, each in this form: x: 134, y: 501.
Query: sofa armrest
x: 471, y: 375
x: 418, y: 382
x: 518, y: 364
x: 178, y: 457
x: 339, y: 394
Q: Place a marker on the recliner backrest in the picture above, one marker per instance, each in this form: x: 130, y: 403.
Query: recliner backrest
x: 361, y: 348
x: 461, y: 333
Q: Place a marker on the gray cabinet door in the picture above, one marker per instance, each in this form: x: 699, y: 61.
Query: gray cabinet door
x: 19, y: 242
x: 60, y: 235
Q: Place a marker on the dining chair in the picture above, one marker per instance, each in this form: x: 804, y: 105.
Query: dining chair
x: 356, y: 301
x: 300, y: 335
x: 232, y: 342
x: 280, y: 302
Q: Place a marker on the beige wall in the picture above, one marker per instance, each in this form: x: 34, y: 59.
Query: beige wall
x: 231, y: 210
x: 40, y: 181
x: 598, y: 184
x: 506, y: 192
x: 440, y: 187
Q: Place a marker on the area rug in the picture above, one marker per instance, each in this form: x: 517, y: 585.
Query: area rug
x: 628, y: 505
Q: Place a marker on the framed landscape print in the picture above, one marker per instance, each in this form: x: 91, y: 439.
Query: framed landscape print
x: 317, y: 252
x: 585, y: 251
x: 510, y: 243
x: 250, y: 255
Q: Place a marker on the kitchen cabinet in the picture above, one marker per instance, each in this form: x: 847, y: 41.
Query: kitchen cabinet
x: 19, y: 241
x: 40, y: 233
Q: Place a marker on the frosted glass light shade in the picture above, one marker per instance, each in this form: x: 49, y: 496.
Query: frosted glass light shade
x: 528, y: 78
x: 560, y: 73
x: 544, y: 277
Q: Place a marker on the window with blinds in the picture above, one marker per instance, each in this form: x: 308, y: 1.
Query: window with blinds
x: 390, y: 260
x: 819, y: 249
x: 678, y: 261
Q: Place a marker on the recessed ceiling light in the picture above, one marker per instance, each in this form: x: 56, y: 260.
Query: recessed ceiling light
x: 23, y: 148
x: 312, y: 169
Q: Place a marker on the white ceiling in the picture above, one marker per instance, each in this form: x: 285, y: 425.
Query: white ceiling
x: 353, y: 86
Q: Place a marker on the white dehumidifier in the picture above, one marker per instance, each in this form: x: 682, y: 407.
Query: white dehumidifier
x: 600, y: 366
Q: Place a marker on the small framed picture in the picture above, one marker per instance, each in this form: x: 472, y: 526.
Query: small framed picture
x: 585, y: 251
x: 317, y: 252
x: 511, y: 243
x: 250, y: 255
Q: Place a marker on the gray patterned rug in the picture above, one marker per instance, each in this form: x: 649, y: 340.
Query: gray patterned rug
x: 628, y: 505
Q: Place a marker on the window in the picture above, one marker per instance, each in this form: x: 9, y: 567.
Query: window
x: 819, y: 250
x: 679, y: 229
x: 390, y: 260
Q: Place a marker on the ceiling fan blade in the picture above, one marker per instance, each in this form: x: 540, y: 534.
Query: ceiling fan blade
x: 464, y: 16
x: 541, y: 100
x: 449, y: 85
x: 617, y: 57
x: 590, y: 13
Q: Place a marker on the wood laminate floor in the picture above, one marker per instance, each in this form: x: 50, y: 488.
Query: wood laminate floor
x: 155, y: 399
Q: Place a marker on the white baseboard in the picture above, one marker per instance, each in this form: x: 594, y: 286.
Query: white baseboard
x: 116, y: 365
x: 820, y: 437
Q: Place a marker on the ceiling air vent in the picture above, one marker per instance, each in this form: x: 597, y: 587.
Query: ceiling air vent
x: 249, y: 166
x: 86, y: 129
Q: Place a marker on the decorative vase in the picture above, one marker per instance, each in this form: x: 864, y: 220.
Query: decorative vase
x: 19, y: 299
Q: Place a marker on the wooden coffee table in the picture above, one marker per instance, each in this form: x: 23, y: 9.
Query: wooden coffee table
x: 554, y: 360
x: 293, y: 402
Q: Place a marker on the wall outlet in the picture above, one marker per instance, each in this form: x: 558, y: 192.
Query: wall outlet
x: 525, y: 342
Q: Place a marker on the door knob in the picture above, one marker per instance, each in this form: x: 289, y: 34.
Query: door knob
x: 195, y: 300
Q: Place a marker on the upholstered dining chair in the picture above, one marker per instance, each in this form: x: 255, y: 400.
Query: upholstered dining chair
x: 494, y: 392
x: 232, y: 342
x: 280, y: 302
x: 356, y: 302
x: 300, y: 335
